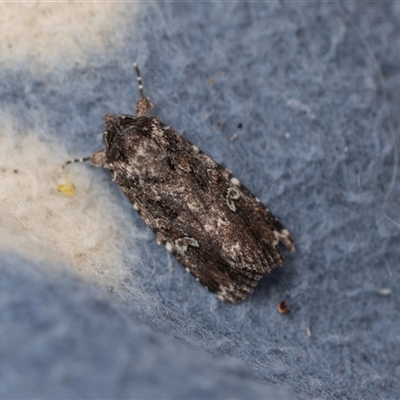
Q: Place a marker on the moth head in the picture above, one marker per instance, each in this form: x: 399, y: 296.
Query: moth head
x: 137, y: 141
x: 127, y: 126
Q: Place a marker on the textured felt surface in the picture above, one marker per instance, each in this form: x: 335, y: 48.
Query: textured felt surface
x: 91, y: 307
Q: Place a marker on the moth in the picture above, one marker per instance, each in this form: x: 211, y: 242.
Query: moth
x: 214, y: 226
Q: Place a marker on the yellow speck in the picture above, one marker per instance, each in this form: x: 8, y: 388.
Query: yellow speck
x: 67, y: 190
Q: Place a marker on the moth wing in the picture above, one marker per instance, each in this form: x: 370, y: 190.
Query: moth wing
x: 230, y: 267
x: 212, y: 224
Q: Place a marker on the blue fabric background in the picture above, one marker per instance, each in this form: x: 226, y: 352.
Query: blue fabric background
x: 316, y: 147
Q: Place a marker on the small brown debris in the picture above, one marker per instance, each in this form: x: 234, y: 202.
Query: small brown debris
x: 283, y: 308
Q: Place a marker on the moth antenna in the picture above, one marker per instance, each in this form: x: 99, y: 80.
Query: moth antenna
x: 139, y: 79
x: 143, y: 105
x: 76, y: 160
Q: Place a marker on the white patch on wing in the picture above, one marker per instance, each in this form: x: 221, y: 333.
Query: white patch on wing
x: 233, y: 193
x: 225, y: 292
x: 169, y: 246
x: 284, y: 237
x: 221, y: 222
x: 235, y: 181
x: 182, y: 244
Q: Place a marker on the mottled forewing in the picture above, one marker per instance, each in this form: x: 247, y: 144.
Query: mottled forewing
x: 203, y: 215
